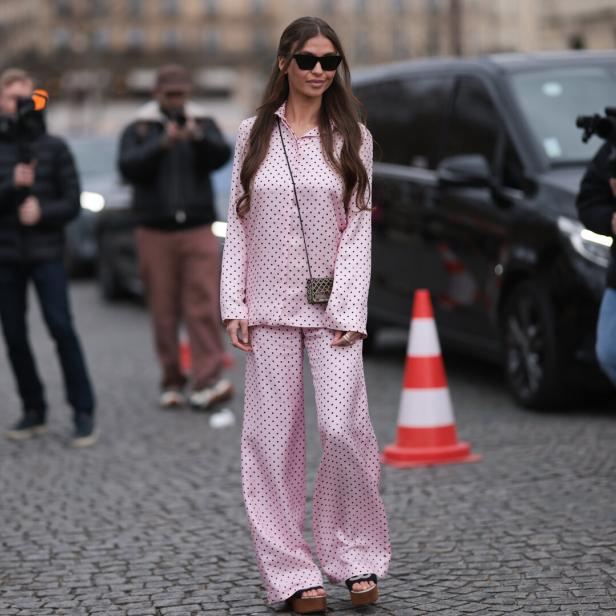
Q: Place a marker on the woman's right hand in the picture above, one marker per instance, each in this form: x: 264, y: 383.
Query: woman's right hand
x: 239, y: 334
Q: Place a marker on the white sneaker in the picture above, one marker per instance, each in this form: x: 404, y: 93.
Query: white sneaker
x: 172, y: 399
x: 206, y: 397
x: 26, y: 428
x: 87, y: 440
x: 85, y: 434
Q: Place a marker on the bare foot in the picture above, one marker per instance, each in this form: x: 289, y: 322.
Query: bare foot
x: 315, y: 592
x: 359, y: 586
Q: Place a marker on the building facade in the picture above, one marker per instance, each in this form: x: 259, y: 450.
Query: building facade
x: 110, y: 39
x: 18, y: 29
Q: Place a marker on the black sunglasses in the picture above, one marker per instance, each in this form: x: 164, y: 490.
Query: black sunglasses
x: 307, y: 62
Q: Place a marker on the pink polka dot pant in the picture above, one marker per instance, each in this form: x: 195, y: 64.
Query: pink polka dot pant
x: 349, y: 520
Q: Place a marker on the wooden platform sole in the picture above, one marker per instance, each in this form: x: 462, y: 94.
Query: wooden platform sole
x: 308, y: 605
x: 365, y: 597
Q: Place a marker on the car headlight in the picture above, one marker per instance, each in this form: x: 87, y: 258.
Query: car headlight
x: 92, y: 201
x: 590, y: 245
x: 219, y: 228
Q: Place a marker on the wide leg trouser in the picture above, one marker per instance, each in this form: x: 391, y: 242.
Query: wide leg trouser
x: 349, y: 520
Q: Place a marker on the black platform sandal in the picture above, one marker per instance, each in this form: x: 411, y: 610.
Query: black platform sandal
x: 307, y: 605
x: 363, y: 597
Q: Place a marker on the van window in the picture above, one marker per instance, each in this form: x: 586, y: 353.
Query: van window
x: 381, y: 108
x: 551, y: 99
x: 406, y: 118
x: 511, y: 168
x: 474, y: 126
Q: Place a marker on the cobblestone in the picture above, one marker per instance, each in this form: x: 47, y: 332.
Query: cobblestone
x: 151, y: 521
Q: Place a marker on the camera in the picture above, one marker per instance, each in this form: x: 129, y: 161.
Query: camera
x: 602, y: 126
x: 27, y: 125
x: 179, y: 117
x: 605, y: 128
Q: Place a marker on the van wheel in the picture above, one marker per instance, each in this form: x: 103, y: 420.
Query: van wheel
x: 533, y: 359
x: 108, y: 283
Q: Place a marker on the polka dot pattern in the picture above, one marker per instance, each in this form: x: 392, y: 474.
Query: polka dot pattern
x: 264, y: 270
x: 349, y: 520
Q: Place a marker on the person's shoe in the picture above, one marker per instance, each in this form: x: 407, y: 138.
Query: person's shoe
x: 172, y: 398
x: 32, y: 424
x: 365, y: 596
x: 85, y: 435
x: 310, y: 604
x: 203, y: 399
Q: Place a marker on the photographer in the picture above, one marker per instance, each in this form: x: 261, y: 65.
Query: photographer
x: 39, y: 195
x: 167, y: 154
x: 596, y: 205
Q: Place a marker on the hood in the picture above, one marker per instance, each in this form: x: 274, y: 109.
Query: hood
x: 564, y: 178
x: 560, y: 187
x: 150, y: 112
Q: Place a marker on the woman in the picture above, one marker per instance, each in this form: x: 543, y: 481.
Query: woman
x: 299, y: 210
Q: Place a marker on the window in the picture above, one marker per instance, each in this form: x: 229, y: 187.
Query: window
x: 171, y: 38
x: 398, y: 7
x: 100, y: 39
x: 511, y: 168
x: 259, y: 41
x: 135, y: 38
x: 98, y: 8
x: 474, y: 127
x: 170, y: 8
x: 550, y: 99
x: 61, y: 38
x: 381, y: 119
x: 400, y: 48
x: 327, y: 7
x: 134, y: 8
x: 210, y: 7
x: 407, y: 117
x: 211, y: 42
x: 64, y: 8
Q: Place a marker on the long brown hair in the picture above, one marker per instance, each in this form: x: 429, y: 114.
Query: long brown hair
x: 338, y: 106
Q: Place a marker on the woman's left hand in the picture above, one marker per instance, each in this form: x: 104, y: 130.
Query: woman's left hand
x: 342, y: 339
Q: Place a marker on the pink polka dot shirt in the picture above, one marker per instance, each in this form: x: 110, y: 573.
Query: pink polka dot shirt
x: 264, y: 268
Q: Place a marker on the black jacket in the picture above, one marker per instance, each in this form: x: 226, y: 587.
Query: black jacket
x: 171, y: 184
x: 57, y: 189
x: 596, y: 203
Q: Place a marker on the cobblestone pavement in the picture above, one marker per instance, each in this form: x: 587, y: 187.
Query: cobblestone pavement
x: 151, y: 520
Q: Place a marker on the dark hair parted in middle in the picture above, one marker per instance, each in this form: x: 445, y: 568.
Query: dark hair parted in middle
x: 339, y: 107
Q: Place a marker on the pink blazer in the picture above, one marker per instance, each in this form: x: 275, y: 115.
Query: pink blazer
x: 264, y: 268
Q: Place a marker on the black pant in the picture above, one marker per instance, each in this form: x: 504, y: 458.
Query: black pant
x: 51, y: 286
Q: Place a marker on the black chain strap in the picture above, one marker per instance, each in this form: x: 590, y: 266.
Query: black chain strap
x: 301, y: 224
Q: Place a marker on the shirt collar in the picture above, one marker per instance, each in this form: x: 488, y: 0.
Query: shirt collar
x: 281, y: 112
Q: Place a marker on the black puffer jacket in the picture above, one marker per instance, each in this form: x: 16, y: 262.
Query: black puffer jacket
x: 171, y: 184
x: 57, y: 189
x: 596, y: 203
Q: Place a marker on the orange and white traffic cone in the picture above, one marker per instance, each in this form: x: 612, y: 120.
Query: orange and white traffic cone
x: 185, y: 355
x: 462, y: 289
x: 426, y: 427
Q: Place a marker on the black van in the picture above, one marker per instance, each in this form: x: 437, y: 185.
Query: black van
x: 478, y: 163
